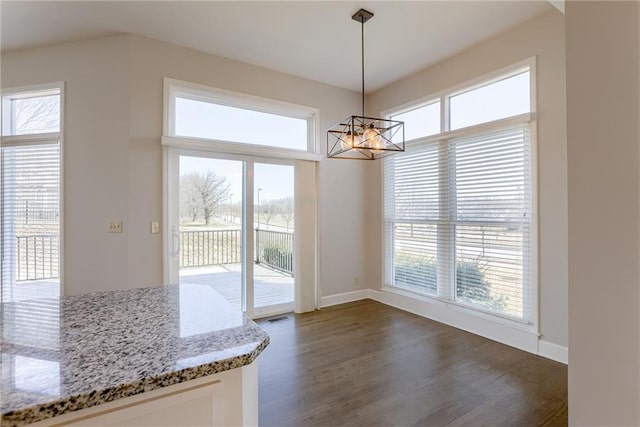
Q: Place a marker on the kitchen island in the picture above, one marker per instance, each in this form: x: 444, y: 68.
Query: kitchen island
x: 166, y: 355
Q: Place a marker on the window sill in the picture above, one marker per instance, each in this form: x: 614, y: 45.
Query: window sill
x: 238, y: 148
x: 524, y: 324
x: 511, y: 332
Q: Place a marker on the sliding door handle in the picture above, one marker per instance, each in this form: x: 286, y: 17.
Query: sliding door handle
x: 175, y: 241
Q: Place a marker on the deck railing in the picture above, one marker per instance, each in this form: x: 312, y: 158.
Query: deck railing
x: 210, y: 247
x: 275, y: 248
x: 37, y: 257
x: 220, y: 247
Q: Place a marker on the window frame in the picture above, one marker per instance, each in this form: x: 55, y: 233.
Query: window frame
x: 178, y: 88
x: 6, y: 114
x: 305, y: 182
x: 530, y: 320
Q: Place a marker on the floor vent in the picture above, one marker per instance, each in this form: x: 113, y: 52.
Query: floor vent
x: 277, y: 319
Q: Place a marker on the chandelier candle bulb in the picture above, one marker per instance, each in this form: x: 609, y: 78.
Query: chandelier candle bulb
x: 373, y: 138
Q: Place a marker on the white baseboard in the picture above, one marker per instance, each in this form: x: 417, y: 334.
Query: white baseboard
x: 345, y: 297
x: 553, y: 351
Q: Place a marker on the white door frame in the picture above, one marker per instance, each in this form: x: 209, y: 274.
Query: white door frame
x: 171, y: 208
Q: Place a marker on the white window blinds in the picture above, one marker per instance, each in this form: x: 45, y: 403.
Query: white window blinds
x: 30, y: 194
x: 413, y: 213
x: 457, y: 220
x: 31, y: 215
x: 492, y: 215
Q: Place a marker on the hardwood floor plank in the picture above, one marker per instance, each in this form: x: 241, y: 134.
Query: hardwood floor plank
x: 368, y: 364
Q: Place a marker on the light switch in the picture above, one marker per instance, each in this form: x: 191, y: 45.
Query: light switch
x: 155, y: 227
x: 115, y: 227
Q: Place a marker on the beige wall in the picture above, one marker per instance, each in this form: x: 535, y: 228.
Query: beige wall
x: 113, y: 157
x: 341, y: 234
x: 604, y: 220
x: 542, y: 37
x: 96, y: 142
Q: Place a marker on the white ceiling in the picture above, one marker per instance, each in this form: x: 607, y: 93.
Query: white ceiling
x: 315, y: 40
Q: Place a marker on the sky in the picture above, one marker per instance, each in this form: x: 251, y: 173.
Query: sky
x: 214, y: 121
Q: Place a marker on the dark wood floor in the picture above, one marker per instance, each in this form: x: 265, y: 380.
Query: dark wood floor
x: 367, y: 364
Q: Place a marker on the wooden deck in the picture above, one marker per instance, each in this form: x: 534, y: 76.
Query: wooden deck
x: 270, y: 287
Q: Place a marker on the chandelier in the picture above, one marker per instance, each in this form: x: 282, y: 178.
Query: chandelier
x: 362, y: 137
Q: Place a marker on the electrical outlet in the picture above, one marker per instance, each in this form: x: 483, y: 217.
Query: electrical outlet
x: 155, y: 227
x: 355, y: 282
x: 115, y: 227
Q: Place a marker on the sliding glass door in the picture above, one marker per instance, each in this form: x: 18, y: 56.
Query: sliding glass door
x: 273, y: 279
x: 210, y: 232
x: 231, y: 228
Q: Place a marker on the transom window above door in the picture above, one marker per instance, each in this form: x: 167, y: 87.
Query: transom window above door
x: 203, y: 119
x: 232, y: 122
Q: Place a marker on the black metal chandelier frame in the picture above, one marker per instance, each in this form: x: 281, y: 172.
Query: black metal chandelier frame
x: 362, y: 137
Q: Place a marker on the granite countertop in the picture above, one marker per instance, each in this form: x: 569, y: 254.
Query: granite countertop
x: 61, y: 355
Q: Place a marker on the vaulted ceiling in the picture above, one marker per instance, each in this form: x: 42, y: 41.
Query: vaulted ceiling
x: 315, y: 40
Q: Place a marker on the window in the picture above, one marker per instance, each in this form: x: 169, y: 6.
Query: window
x: 458, y: 206
x: 30, y: 194
x: 506, y: 97
x: 225, y: 121
x: 419, y: 122
x: 32, y: 113
x: 213, y: 121
x: 259, y: 155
